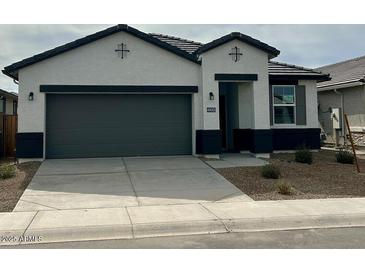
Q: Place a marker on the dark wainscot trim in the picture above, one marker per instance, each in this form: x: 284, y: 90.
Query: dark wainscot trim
x: 242, y: 139
x: 262, y: 141
x: 253, y: 140
x: 208, y: 141
x: 294, y: 138
x: 266, y: 141
x: 29, y: 145
x: 116, y: 89
x: 235, y: 77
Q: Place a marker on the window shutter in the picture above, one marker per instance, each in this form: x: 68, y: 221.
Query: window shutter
x: 300, y: 103
x: 271, y: 106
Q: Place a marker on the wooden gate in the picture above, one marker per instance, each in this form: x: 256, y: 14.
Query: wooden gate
x: 10, y: 127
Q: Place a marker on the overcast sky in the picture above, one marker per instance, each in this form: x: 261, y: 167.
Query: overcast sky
x: 306, y: 45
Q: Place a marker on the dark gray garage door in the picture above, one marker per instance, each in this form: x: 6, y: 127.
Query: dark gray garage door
x: 80, y: 125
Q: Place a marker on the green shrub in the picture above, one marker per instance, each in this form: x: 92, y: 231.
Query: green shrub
x: 345, y: 157
x: 7, y: 171
x: 270, y: 171
x: 284, y: 188
x: 304, y: 155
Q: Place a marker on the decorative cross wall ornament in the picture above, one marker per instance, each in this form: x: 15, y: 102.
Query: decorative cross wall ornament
x: 236, y: 54
x: 122, y: 50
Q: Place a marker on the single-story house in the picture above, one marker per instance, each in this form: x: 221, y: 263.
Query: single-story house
x: 123, y: 92
x: 8, y: 102
x: 344, y: 93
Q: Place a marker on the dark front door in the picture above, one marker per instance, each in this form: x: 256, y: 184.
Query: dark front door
x: 81, y: 125
x: 223, y: 120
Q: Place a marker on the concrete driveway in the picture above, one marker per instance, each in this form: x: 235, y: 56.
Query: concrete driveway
x: 119, y: 182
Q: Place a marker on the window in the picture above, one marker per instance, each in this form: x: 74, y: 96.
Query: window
x: 284, y: 104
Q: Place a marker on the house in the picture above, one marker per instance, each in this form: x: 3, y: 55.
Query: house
x: 123, y: 92
x: 8, y: 102
x: 344, y: 93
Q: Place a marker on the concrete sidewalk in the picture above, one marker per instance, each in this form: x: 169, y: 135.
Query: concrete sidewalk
x: 186, y: 219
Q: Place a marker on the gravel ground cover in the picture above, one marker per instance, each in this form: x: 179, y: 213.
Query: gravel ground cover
x: 324, y: 178
x: 12, y: 189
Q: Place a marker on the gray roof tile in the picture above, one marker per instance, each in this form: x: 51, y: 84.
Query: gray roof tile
x: 183, y: 44
x: 278, y: 68
x: 345, y: 71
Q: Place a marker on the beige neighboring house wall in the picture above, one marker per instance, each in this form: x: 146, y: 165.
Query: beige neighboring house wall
x: 354, y: 107
x: 9, y: 107
x: 345, y: 89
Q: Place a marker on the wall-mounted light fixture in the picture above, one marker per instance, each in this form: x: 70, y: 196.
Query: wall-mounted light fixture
x: 30, y: 96
x: 211, y: 96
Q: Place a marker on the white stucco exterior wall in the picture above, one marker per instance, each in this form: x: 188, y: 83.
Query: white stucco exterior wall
x: 253, y: 61
x: 97, y: 63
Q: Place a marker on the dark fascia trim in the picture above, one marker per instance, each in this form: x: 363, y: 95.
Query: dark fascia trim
x: 318, y: 78
x: 237, y: 77
x: 11, y: 70
x: 115, y: 89
x: 243, y: 38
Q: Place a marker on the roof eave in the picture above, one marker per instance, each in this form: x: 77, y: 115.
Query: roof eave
x: 8, y: 94
x: 15, y: 77
x: 343, y: 84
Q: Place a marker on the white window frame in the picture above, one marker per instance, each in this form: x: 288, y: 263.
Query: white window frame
x: 283, y: 105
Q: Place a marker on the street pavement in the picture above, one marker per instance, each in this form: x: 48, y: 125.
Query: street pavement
x: 353, y: 237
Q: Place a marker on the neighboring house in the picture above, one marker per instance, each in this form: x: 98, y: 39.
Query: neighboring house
x: 344, y: 93
x: 8, y: 122
x: 122, y: 92
x: 8, y: 102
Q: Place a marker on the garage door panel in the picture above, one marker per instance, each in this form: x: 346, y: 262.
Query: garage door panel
x: 117, y: 125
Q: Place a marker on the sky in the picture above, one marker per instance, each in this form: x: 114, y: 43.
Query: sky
x: 305, y: 45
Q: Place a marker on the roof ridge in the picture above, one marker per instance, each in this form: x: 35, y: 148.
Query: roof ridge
x: 174, y: 37
x: 298, y: 67
x: 342, y: 62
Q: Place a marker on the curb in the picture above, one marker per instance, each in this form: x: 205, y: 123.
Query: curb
x: 187, y: 228
x: 295, y: 222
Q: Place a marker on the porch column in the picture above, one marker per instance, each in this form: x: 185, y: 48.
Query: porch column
x: 261, y: 131
x: 208, y: 138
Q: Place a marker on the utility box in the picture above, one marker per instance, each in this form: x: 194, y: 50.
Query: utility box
x: 336, y: 117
